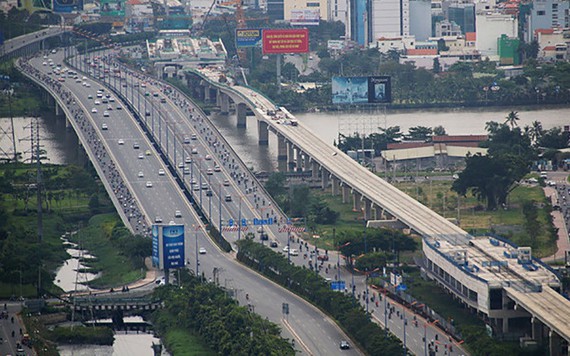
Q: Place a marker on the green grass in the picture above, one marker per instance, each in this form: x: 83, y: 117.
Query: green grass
x: 181, y: 342
x: 95, y: 238
x: 8, y: 290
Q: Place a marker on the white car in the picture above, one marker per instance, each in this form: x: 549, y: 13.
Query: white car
x: 121, y: 141
x: 141, y: 156
x: 105, y: 114
x: 286, y: 248
x: 217, y: 168
x: 208, y: 157
x: 161, y: 172
x: 97, y: 102
x: 158, y: 219
x: 149, y: 184
x: 194, y: 151
x: 177, y: 214
x: 294, y: 252
x: 141, y: 175
x: 202, y: 251
x: 209, y: 171
x: 104, y: 127
x: 226, y: 183
x: 188, y: 160
x: 94, y: 110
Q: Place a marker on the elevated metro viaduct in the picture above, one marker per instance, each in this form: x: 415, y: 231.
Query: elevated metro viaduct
x: 516, y: 293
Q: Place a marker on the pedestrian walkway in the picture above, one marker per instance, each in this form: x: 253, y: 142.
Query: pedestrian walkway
x: 563, y: 242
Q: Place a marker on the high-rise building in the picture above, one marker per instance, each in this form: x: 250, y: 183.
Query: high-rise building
x: 359, y: 22
x: 420, y: 19
x: 547, y: 14
x: 490, y: 27
x: 463, y: 15
x: 390, y: 18
x: 275, y: 10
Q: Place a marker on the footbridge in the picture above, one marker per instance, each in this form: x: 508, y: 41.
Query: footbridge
x: 488, y: 274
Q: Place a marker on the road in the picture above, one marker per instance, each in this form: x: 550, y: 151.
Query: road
x: 315, y: 333
x: 11, y: 330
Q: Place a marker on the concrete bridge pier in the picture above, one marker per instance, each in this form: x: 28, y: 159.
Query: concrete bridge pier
x: 378, y: 212
x: 290, y: 157
x: 58, y: 110
x: 367, y: 208
x: 263, y: 132
x: 314, y: 169
x: 207, y: 93
x: 356, y: 200
x: 554, y: 345
x: 299, y: 156
x: 537, y: 329
x: 223, y: 101
x: 241, y: 115
x: 324, y: 178
x: 281, y: 148
x: 345, y: 193
x: 335, y: 186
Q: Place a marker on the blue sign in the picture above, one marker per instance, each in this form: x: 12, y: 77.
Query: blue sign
x: 173, y: 246
x: 155, y: 247
x: 401, y: 287
x: 269, y: 221
x: 5, y: 77
x: 338, y: 285
x: 67, y: 6
x: 248, y: 37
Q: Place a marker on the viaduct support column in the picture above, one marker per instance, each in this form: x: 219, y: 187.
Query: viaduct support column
x: 335, y: 185
x: 290, y: 157
x: 299, y: 156
x: 58, y: 109
x: 554, y: 346
x: 356, y: 201
x: 263, y: 133
x: 324, y: 178
x: 207, y: 97
x: 377, y: 212
x: 367, y: 208
x: 241, y: 115
x: 537, y: 330
x: 345, y: 193
x: 281, y: 148
x: 224, y: 103
x: 314, y: 170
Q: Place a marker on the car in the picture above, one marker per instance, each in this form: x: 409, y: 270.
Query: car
x: 209, y: 171
x: 180, y: 164
x: 94, y: 110
x: 532, y: 180
x: 273, y: 244
x: 263, y: 236
x: 194, y: 151
x: 205, y: 186
x: 119, y: 107
x: 186, y: 139
x: 186, y: 170
x: 228, y: 198
x: 136, y: 146
x: 104, y: 127
x: 109, y: 107
x: 551, y: 183
x: 202, y: 251
x: 209, y: 193
x: 294, y: 252
x: 196, y: 187
x: 344, y: 345
x: 105, y: 101
x: 111, y: 99
x: 194, y: 137
x: 149, y: 184
x: 158, y: 219
x: 217, y: 168
x: 141, y: 156
x: 177, y: 214
x: 161, y: 172
x: 105, y: 114
x: 141, y: 174
x: 89, y: 96
x: 147, y: 113
x: 323, y: 257
x: 88, y: 85
x: 147, y: 152
x: 97, y: 102
x: 226, y: 183
x: 193, y: 181
x: 121, y: 141
x: 286, y: 248
x: 188, y: 160
x: 208, y: 158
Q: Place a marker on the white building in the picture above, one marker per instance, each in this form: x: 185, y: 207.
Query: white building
x: 490, y: 27
x: 390, y: 18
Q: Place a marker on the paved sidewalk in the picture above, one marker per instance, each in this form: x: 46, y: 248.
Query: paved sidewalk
x: 563, y: 242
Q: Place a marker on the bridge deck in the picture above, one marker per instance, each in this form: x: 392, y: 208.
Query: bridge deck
x: 548, y: 306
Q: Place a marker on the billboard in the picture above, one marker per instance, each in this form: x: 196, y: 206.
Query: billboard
x: 336, y: 45
x: 285, y: 41
x: 247, y: 37
x: 168, y: 246
x: 361, y: 90
x: 305, y: 17
x: 112, y: 8
x: 67, y: 6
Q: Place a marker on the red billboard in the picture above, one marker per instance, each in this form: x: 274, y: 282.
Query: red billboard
x: 285, y: 41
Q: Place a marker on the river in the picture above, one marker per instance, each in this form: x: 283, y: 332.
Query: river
x: 61, y: 144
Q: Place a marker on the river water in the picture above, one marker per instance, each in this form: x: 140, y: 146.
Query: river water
x: 61, y: 144
x: 66, y: 277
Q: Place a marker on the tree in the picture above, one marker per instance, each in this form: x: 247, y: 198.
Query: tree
x: 535, y: 131
x: 420, y: 133
x: 436, y: 66
x: 275, y: 184
x: 512, y: 119
x: 439, y: 131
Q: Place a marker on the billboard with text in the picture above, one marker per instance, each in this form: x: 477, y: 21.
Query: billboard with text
x: 67, y: 6
x: 305, y: 17
x: 168, y: 246
x: 248, y: 37
x: 361, y: 90
x: 285, y: 41
x: 112, y: 8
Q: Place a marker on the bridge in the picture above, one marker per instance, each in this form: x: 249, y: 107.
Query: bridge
x: 474, y: 269
x: 30, y: 43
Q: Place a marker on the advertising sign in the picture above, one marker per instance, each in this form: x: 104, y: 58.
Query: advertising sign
x: 361, y: 90
x: 67, y: 6
x: 335, y: 45
x: 112, y: 8
x: 173, y: 246
x: 155, y: 247
x: 248, y: 37
x: 285, y: 41
x: 305, y: 17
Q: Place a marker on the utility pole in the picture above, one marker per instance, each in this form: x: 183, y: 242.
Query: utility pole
x: 36, y: 157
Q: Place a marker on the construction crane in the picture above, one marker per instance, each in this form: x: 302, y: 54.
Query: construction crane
x: 240, y: 18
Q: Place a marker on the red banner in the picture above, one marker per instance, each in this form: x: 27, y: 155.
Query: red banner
x: 285, y: 41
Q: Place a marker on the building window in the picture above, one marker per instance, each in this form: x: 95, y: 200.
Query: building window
x: 541, y: 13
x: 313, y: 4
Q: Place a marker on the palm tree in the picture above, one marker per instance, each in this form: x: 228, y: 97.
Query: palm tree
x: 536, y: 131
x: 512, y: 119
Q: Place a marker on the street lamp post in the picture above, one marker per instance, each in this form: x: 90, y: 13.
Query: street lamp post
x: 239, y: 219
x: 197, y: 254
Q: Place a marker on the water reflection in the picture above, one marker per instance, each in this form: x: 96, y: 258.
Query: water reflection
x: 67, y: 277
x: 131, y: 344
